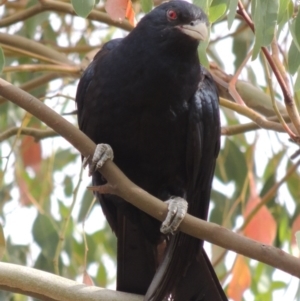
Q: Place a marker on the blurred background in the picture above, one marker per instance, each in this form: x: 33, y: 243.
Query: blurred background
x: 51, y: 222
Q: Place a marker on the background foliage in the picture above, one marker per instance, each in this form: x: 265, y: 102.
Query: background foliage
x: 50, y: 221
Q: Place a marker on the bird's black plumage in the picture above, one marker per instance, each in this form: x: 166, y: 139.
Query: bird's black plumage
x: 148, y: 97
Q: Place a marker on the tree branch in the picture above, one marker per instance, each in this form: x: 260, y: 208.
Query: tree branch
x: 126, y: 189
x: 37, y: 134
x: 43, y: 67
x: 60, y: 7
x: 288, y: 99
x: 50, y: 287
x: 34, y: 47
x: 257, y: 118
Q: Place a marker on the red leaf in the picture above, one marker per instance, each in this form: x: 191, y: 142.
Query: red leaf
x: 119, y: 9
x: 262, y: 226
x: 31, y: 153
x: 295, y: 228
x: 87, y: 279
x: 241, y: 279
x: 130, y: 14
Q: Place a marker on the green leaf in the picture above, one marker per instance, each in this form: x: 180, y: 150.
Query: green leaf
x: 202, y: 52
x: 101, y: 276
x: 62, y: 158
x: 146, y: 5
x: 297, y: 28
x: 297, y: 82
x: 293, y: 58
x: 275, y: 285
x: 204, y: 4
x: 85, y: 205
x: 2, y: 242
x: 83, y: 7
x: 45, y: 235
x: 283, y: 7
x: 68, y: 186
x: 46, y: 264
x: 216, y: 12
x: 231, y: 164
x: 2, y: 60
x: 265, y: 18
x: 232, y: 11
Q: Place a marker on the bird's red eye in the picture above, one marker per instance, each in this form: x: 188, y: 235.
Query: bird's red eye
x: 172, y: 15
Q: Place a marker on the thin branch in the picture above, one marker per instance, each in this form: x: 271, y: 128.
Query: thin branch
x: 43, y: 67
x: 272, y: 94
x: 275, y: 56
x: 257, y: 118
x: 253, y: 96
x: 33, y: 47
x: 250, y: 126
x: 60, y: 7
x: 269, y: 194
x: 40, y: 81
x: 31, y: 54
x: 50, y: 287
x: 130, y: 192
x: 288, y: 99
x: 62, y: 234
x: 35, y: 133
x: 232, y: 84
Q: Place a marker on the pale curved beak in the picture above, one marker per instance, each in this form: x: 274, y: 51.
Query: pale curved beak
x: 196, y: 29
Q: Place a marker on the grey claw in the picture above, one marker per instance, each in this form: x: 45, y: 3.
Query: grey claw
x: 103, y: 152
x: 177, y: 210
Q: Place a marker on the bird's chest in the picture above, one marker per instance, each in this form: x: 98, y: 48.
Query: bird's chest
x: 149, y: 142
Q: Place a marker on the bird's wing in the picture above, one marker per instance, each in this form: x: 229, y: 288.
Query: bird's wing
x: 87, y: 106
x: 185, y: 258
x: 135, y: 253
x: 83, y: 111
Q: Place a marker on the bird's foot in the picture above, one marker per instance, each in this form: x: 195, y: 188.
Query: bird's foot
x: 177, y: 209
x: 103, y: 152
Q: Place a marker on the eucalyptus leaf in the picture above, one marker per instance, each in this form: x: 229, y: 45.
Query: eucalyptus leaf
x: 2, y: 242
x: 45, y: 235
x: 293, y: 58
x: 83, y: 7
x: 204, y: 4
x: 265, y: 18
x: 297, y: 82
x: 2, y: 60
x: 146, y: 5
x: 216, y: 12
x: 232, y: 11
x: 297, y: 28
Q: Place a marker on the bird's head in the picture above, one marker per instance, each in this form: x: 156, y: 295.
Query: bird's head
x: 179, y: 17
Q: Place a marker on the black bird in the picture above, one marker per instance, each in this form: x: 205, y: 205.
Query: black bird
x: 148, y: 97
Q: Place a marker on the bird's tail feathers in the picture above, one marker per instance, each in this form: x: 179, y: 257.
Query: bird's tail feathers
x: 187, y: 264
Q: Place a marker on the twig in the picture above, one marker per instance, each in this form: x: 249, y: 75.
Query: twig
x: 280, y: 118
x: 257, y: 118
x: 275, y: 56
x: 271, y: 192
x: 60, y: 7
x: 37, y: 134
x: 31, y: 54
x: 232, y: 84
x: 86, y: 247
x: 288, y: 99
x: 250, y: 126
x: 144, y: 201
x: 40, y: 81
x: 62, y: 234
x: 43, y: 67
x: 33, y: 47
